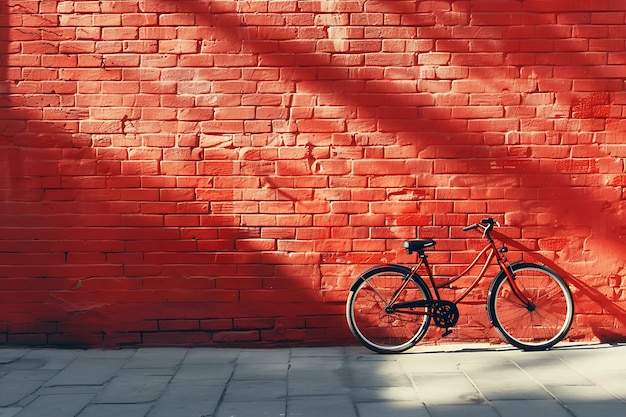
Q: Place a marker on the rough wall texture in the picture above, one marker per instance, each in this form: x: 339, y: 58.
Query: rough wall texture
x: 217, y: 172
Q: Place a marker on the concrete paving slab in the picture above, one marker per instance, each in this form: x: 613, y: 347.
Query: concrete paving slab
x: 575, y: 394
x: 87, y: 371
x: 203, y: 374
x: 384, y: 394
x: 264, y: 356
x: 275, y: 408
x: 120, y: 410
x: 498, y: 376
x: 156, y: 358
x: 261, y: 371
x: 327, y: 361
x: 329, y: 367
x: 383, y: 373
x: 187, y: 400
x: 106, y: 354
x: 325, y: 374
x: 446, y: 388
x: 514, y: 387
x: 392, y: 409
x: 321, y: 406
x: 69, y: 390
x: 589, y: 356
x: 604, y: 365
x: 49, y: 359
x: 427, y: 363
x: 550, y: 370
x: 467, y: 410
x: 526, y: 408
x: 12, y: 393
x: 206, y: 356
x: 319, y: 383
x: 613, y: 382
x: 25, y: 364
x: 254, y: 391
x: 56, y: 406
x: 604, y: 409
x: 132, y: 389
x: 18, y: 384
x: 11, y: 355
x: 315, y: 352
x: 9, y: 411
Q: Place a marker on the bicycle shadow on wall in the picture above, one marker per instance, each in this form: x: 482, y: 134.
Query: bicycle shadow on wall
x: 589, y: 300
x: 556, y: 198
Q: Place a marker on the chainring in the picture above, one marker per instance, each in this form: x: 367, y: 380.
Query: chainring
x: 445, y: 314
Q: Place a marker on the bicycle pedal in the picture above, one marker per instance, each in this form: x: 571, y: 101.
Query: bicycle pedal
x: 446, y: 333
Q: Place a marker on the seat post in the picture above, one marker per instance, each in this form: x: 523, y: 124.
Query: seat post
x: 424, y: 262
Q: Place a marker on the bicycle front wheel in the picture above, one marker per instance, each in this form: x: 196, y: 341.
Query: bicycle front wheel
x: 377, y: 326
x: 540, y: 316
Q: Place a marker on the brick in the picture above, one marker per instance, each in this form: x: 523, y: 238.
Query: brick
x: 234, y: 113
x: 178, y: 46
x: 236, y: 336
x: 119, y: 33
x: 178, y: 338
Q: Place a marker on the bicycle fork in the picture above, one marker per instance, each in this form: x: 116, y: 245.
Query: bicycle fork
x: 505, y: 266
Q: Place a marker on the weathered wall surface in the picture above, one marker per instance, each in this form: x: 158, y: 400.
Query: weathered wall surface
x: 217, y: 172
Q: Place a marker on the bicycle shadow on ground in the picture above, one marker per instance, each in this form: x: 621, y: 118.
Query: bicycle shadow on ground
x: 426, y: 349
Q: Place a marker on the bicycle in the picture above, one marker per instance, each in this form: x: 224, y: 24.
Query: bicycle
x: 390, y: 307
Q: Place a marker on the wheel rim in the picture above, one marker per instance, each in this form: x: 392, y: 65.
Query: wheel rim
x: 545, y: 320
x: 378, y: 328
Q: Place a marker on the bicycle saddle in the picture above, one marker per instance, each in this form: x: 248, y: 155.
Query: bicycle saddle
x: 418, y: 245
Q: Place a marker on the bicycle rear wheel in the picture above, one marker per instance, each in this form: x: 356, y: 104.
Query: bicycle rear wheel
x: 377, y: 327
x: 539, y: 324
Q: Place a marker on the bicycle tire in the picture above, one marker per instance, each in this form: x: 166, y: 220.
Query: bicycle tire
x: 377, y: 329
x: 540, y: 326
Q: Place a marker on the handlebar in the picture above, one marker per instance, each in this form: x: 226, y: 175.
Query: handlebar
x: 487, y: 224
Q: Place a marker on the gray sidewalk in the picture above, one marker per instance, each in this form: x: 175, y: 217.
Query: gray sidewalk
x: 430, y: 381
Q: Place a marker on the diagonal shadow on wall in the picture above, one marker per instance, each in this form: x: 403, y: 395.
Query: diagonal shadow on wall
x: 567, y: 217
x: 540, y: 189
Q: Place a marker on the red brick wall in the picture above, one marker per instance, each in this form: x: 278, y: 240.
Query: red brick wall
x: 217, y: 172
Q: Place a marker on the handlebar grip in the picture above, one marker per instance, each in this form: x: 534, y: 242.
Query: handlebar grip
x: 471, y: 227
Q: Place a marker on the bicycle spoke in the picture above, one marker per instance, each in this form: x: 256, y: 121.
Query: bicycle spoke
x: 539, y: 324
x: 379, y: 328
x: 375, y: 291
